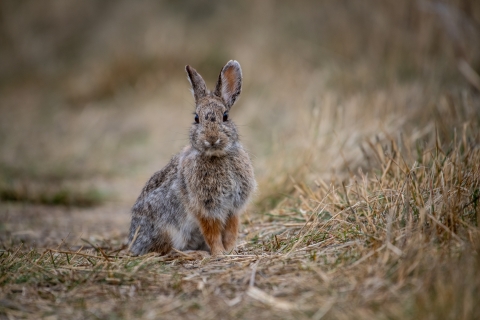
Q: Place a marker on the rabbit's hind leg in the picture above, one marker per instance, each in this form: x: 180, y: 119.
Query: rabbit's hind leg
x: 161, y: 243
x: 145, y: 238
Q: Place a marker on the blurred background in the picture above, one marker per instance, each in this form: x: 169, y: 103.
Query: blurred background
x: 94, y: 98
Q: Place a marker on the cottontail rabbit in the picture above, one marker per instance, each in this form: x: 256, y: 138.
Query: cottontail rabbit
x: 194, y: 202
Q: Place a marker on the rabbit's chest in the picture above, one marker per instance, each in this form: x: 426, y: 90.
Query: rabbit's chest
x: 213, y: 181
x: 214, y: 185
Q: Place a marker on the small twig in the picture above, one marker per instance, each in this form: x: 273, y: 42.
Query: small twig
x: 134, y: 238
x: 53, y: 260
x: 254, y: 271
x: 98, y: 249
x: 323, y: 310
x: 75, y: 253
x: 264, y: 297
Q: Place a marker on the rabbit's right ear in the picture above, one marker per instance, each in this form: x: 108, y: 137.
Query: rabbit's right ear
x: 229, y: 84
x: 199, y: 89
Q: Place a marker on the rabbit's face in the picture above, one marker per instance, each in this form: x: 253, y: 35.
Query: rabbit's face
x: 212, y: 132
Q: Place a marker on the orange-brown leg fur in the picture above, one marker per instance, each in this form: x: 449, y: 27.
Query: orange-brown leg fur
x: 212, y: 231
x: 230, y: 233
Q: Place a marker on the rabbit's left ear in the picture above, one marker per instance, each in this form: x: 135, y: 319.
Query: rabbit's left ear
x: 199, y: 89
x: 229, y: 84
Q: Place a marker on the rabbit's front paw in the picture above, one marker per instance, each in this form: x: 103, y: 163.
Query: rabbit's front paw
x: 229, y: 241
x: 230, y: 233
x: 217, y: 250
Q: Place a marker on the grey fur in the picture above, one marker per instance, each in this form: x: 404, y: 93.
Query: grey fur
x: 211, y: 180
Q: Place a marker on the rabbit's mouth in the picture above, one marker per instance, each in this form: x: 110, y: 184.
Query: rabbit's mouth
x: 214, y: 152
x: 214, y: 147
x: 212, y: 143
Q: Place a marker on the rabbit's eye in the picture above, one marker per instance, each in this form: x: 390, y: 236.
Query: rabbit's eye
x: 196, y: 118
x: 225, y: 116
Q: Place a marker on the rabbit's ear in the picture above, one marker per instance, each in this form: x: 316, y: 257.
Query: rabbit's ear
x: 229, y: 84
x: 199, y: 89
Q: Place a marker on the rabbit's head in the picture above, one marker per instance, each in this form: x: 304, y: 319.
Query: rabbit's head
x: 213, y: 133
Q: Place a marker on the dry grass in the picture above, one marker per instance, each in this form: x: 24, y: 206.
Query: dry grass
x: 366, y: 151
x: 398, y: 239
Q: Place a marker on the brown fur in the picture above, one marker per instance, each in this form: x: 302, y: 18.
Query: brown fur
x: 162, y: 243
x: 212, y: 231
x: 195, y: 200
x: 230, y: 79
x: 230, y: 232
